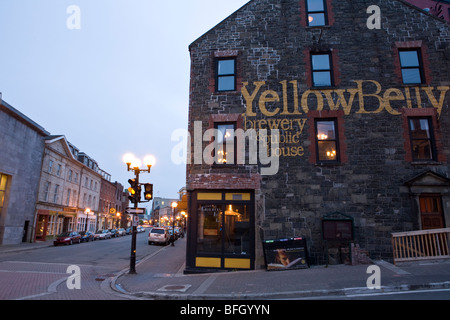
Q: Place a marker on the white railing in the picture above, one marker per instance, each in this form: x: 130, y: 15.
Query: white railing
x: 421, y: 245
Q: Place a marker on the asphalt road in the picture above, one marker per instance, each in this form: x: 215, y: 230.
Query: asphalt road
x: 43, y: 274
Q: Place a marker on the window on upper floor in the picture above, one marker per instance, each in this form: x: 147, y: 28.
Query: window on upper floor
x: 55, y: 195
x: 327, y: 144
x: 422, y: 138
x: 50, y: 166
x: 225, y: 144
x: 226, y: 74
x: 411, y: 66
x: 316, y: 13
x: 321, y: 66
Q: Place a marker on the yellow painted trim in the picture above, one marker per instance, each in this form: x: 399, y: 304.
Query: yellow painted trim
x: 237, y: 263
x: 244, y: 196
x: 209, y: 196
x: 207, y: 262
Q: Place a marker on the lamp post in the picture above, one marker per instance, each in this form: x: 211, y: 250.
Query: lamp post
x: 133, y: 164
x: 174, y: 205
x: 86, y: 213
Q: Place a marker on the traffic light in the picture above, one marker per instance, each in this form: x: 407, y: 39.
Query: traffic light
x: 134, y: 191
x: 148, y: 191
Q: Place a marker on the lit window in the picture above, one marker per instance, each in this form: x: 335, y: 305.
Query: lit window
x: 411, y: 66
x: 3, y: 182
x: 327, y: 141
x: 225, y: 146
x: 226, y: 75
x: 316, y: 13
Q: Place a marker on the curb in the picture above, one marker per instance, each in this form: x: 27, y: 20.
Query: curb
x: 345, y: 292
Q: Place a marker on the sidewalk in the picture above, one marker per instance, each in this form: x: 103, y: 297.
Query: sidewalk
x: 160, y: 276
x: 25, y: 246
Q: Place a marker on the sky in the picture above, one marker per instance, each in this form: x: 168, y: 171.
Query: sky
x: 113, y: 77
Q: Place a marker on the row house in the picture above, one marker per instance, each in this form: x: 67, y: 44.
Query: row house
x: 47, y: 186
x: 69, y: 190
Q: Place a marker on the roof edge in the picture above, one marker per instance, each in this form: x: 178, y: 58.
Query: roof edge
x: 23, y: 118
x: 227, y: 18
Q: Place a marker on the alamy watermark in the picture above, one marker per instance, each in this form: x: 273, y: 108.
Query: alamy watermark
x: 73, y: 22
x: 228, y: 147
x: 374, y: 281
x: 73, y: 282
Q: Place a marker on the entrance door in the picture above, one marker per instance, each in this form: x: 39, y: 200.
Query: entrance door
x: 431, y: 212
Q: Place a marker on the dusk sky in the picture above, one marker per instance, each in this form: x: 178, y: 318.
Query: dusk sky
x: 118, y: 84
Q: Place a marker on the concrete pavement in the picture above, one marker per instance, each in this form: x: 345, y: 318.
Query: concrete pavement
x: 160, y: 276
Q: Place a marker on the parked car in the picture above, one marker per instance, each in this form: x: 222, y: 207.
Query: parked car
x: 122, y: 232
x: 67, y: 238
x: 158, y: 235
x: 86, y: 236
x: 102, y: 234
x: 172, y: 237
x: 114, y: 233
x: 140, y: 229
x: 129, y: 230
x: 179, y: 232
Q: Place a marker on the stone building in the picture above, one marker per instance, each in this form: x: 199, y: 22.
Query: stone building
x: 21, y: 154
x: 321, y: 119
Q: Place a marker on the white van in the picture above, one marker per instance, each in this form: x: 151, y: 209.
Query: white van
x: 158, y: 235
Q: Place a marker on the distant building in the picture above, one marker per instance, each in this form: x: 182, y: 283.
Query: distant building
x: 69, y: 190
x: 21, y: 153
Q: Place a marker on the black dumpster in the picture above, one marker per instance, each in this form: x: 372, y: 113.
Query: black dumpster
x: 285, y: 254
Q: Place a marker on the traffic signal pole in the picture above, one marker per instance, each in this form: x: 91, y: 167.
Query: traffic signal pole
x: 135, y: 197
x: 134, y: 233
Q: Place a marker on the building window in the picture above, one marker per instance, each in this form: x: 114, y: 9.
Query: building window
x: 316, y: 12
x: 58, y: 170
x: 422, y: 140
x: 327, y: 144
x: 226, y: 74
x: 224, y: 229
x: 3, y: 183
x: 68, y: 197
x: 46, y: 191
x: 411, y: 65
x: 50, y: 166
x: 321, y: 70
x: 225, y: 144
x: 55, y: 196
x: 70, y: 175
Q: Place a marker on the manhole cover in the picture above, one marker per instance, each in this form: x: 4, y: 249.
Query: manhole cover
x: 175, y: 288
x: 104, y: 277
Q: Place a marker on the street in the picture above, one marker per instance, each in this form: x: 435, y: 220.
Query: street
x: 41, y: 274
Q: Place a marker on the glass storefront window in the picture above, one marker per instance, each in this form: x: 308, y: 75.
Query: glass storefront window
x: 209, y: 229
x: 224, y: 229
x: 237, y: 229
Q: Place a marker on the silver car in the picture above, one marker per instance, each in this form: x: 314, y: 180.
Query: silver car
x: 158, y: 235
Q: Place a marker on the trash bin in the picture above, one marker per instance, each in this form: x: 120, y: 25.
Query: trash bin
x: 285, y: 254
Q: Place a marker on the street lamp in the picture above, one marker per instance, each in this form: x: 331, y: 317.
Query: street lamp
x: 86, y: 213
x: 174, y: 205
x: 134, y: 164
